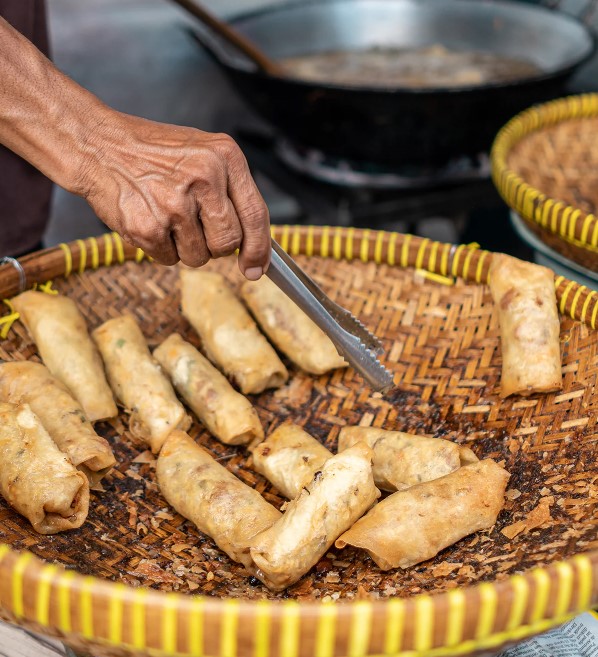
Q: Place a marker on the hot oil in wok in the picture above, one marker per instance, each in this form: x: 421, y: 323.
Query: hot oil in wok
x: 430, y: 67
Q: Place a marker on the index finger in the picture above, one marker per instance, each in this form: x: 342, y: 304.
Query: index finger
x: 252, y: 211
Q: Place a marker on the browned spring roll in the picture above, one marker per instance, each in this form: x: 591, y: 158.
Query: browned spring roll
x: 61, y: 415
x: 413, y: 525
x: 288, y: 458
x: 402, y: 459
x: 229, y: 335
x: 222, y: 506
x: 61, y: 336
x: 340, y: 493
x: 227, y: 415
x: 36, y: 478
x: 138, y: 381
x: 289, y: 328
x: 525, y: 299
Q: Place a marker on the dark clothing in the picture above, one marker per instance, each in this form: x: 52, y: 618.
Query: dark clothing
x: 24, y: 191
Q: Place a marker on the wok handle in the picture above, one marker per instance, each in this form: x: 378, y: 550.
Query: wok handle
x: 231, y: 36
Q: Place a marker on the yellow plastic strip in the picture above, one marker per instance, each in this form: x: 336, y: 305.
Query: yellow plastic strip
x: 424, y: 622
x: 579, y: 292
x: 470, y: 251
x: 586, y: 305
x: 139, y: 255
x: 594, y: 317
x: 480, y: 267
x: 262, y: 629
x: 541, y: 592
x: 68, y: 259
x: 584, y: 582
x: 378, y: 247
x: 169, y: 624
x: 325, y: 242
x: 228, y: 629
x: 565, y: 588
x: 195, y: 640
x: 296, y: 242
x: 361, y: 628
x: 7, y: 321
x: 46, y: 288
x: 115, y: 614
x: 284, y: 238
x: 487, y: 610
x: 120, y: 249
x: 564, y: 296
x: 42, y: 603
x: 520, y: 588
x: 437, y: 278
x: 419, y: 258
x: 309, y: 245
x: 325, y: 633
x: 364, y: 250
x: 337, y: 243
x: 433, y: 256
x: 289, y: 630
x: 395, y: 626
x: 18, y: 571
x: 82, y: 255
x: 444, y: 259
x: 108, y: 249
x: 405, y: 251
x: 392, y: 249
x: 95, y: 253
x: 456, y: 617
x: 138, y: 614
x: 350, y: 233
x: 456, y: 257
x: 86, y: 607
x: 64, y: 600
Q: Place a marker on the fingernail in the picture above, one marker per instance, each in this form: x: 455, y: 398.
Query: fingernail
x: 253, y: 273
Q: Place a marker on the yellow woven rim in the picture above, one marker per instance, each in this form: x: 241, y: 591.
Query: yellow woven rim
x: 569, y: 223
x: 111, y: 614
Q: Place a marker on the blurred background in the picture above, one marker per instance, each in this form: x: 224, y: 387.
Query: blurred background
x: 139, y: 57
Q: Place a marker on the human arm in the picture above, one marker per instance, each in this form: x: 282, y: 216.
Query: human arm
x: 176, y: 192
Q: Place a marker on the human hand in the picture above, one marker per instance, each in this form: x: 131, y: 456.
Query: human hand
x: 176, y: 192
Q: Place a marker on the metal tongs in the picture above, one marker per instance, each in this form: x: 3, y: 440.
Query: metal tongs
x: 350, y: 337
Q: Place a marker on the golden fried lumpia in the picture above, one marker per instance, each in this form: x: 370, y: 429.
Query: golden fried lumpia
x: 202, y: 490
x: 60, y: 333
x: 36, y: 478
x: 402, y: 459
x: 525, y: 299
x: 229, y: 335
x: 227, y: 415
x: 414, y: 525
x: 338, y: 494
x: 288, y: 458
x: 138, y: 381
x: 60, y: 414
x: 289, y: 328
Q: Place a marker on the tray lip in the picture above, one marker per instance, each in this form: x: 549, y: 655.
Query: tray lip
x: 554, y: 593
x: 551, y: 215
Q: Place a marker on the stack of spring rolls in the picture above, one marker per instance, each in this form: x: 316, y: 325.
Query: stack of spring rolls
x: 436, y: 492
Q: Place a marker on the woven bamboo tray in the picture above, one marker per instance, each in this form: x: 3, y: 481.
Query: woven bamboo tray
x: 137, y: 579
x: 545, y: 166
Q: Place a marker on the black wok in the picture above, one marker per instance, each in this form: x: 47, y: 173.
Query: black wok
x: 401, y: 126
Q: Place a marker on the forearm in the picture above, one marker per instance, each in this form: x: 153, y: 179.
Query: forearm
x: 45, y: 117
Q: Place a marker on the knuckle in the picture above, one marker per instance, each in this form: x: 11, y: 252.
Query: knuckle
x: 255, y: 215
x: 223, y: 245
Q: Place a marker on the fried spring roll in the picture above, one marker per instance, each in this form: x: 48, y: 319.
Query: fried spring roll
x: 138, y: 381
x: 60, y: 414
x: 229, y: 335
x: 60, y: 333
x: 227, y: 415
x: 402, y: 459
x: 290, y: 329
x: 222, y: 506
x: 340, y: 493
x: 36, y: 478
x: 525, y: 299
x: 414, y: 525
x: 288, y: 458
